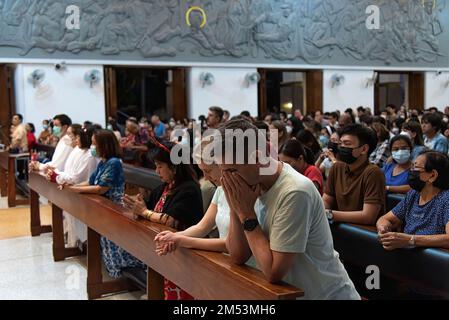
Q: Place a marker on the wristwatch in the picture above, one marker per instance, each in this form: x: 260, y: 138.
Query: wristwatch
x: 330, y: 215
x: 250, y: 224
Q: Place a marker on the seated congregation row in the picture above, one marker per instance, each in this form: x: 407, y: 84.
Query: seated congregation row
x: 257, y: 215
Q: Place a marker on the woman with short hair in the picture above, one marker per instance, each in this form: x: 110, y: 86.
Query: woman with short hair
x: 422, y: 215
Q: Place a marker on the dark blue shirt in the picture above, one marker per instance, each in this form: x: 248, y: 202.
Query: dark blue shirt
x: 110, y: 174
x: 399, y: 180
x: 429, y: 219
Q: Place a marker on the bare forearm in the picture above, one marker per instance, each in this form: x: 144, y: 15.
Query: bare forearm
x: 356, y: 217
x: 89, y: 189
x: 399, y: 189
x: 261, y: 250
x: 196, y: 231
x: 218, y: 245
x: 236, y: 243
x: 435, y: 241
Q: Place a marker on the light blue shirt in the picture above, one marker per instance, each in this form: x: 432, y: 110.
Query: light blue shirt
x: 437, y: 143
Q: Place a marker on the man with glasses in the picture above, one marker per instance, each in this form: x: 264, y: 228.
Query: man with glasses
x: 355, y: 190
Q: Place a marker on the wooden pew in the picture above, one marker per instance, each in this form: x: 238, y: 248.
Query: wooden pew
x: 205, y: 275
x: 427, y: 268
x: 141, y: 177
x: 8, y: 177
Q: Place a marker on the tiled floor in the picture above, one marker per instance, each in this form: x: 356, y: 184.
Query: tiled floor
x: 27, y: 271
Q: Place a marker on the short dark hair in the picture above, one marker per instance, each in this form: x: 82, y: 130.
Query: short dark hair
x: 261, y: 125
x: 364, y: 135
x: 361, y: 109
x: 107, y: 144
x: 435, y: 120
x: 334, y: 115
x: 32, y: 128
x: 245, y: 126
x: 64, y: 119
x: 19, y: 116
x: 401, y: 137
x: 392, y: 106
x: 218, y: 112
x: 246, y: 114
x: 294, y: 149
x: 440, y: 163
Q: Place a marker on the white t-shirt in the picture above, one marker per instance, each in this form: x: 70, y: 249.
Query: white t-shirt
x: 62, y: 152
x: 222, y: 218
x: 292, y: 216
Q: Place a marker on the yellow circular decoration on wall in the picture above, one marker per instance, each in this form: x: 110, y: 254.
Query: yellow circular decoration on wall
x: 203, y: 15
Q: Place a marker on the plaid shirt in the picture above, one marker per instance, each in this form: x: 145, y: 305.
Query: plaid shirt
x: 381, y: 154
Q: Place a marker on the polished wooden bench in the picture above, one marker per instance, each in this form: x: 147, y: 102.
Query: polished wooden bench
x: 205, y: 275
x: 8, y: 177
x: 426, y: 268
x: 137, y: 176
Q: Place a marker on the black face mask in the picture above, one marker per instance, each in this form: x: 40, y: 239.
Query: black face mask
x: 415, y: 181
x: 333, y: 147
x: 345, y: 155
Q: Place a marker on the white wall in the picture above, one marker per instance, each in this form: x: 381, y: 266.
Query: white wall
x: 229, y: 91
x: 351, y: 94
x: 436, y: 90
x: 60, y: 92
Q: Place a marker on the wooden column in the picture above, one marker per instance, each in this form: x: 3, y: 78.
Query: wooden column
x: 110, y: 84
x: 3, y: 182
x: 416, y: 91
x: 179, y: 94
x: 262, y: 93
x: 7, y: 101
x: 314, y: 91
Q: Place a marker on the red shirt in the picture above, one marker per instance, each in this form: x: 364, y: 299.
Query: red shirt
x: 314, y: 174
x: 31, y: 141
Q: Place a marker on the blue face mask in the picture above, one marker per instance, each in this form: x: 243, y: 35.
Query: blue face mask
x: 401, y: 156
x: 57, y: 131
x: 324, y: 140
x: 93, y: 151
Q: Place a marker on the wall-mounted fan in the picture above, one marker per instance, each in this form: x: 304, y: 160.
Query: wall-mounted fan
x: 207, y: 79
x: 36, y: 77
x: 93, y: 77
x: 337, y: 80
x: 372, y: 81
x: 252, y: 78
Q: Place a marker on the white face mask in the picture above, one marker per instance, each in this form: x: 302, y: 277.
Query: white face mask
x: 289, y: 129
x: 405, y: 133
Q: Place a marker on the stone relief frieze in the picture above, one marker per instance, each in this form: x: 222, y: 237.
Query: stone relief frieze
x: 277, y: 31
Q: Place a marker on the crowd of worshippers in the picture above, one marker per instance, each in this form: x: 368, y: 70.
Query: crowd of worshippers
x: 330, y: 168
